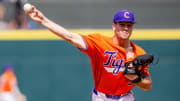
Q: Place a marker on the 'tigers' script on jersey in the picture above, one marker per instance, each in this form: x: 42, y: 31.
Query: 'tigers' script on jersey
x: 113, y: 65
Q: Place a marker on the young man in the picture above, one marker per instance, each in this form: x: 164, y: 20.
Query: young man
x: 107, y: 55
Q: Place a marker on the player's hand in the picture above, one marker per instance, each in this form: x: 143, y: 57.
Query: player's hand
x: 133, y: 69
x: 130, y: 76
x: 36, y: 15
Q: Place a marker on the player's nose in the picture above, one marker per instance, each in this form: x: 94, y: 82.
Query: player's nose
x: 126, y: 27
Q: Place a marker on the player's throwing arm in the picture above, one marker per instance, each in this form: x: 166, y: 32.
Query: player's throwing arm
x: 38, y: 16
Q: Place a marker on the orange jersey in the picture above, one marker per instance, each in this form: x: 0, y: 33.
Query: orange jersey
x: 107, y: 60
x: 7, y: 80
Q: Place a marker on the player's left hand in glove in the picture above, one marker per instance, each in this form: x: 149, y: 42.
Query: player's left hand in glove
x: 133, y: 69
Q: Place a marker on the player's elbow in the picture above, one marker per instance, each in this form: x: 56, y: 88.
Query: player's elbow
x: 148, y: 88
x: 68, y: 37
x: 146, y: 85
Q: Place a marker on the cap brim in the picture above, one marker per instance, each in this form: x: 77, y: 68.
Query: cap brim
x: 125, y: 21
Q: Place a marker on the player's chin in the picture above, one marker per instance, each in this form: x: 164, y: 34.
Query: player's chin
x: 124, y: 37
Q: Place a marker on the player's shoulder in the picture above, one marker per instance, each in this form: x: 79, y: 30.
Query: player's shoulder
x: 138, y: 49
x: 97, y: 36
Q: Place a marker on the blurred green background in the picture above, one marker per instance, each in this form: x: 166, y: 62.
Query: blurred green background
x: 58, y: 71
x: 54, y: 70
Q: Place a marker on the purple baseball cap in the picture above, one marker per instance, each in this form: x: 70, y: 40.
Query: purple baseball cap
x: 124, y: 16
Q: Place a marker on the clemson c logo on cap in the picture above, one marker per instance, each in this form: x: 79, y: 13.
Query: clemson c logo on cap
x: 126, y: 14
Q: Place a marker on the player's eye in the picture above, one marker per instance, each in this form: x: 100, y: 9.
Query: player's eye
x: 129, y: 25
x: 122, y: 25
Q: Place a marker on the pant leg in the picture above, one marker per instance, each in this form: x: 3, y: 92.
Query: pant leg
x: 96, y: 97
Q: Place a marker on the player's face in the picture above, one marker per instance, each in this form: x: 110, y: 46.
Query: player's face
x: 123, y: 30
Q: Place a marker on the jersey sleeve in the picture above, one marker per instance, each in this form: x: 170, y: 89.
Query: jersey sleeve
x: 91, y: 41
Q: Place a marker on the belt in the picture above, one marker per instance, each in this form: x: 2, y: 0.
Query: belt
x: 109, y: 96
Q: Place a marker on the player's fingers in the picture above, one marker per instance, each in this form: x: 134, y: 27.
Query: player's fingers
x: 30, y: 12
x: 39, y: 14
x: 27, y: 13
x: 33, y: 7
x: 36, y: 13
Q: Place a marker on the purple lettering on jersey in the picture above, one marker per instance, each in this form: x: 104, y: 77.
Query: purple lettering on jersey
x: 111, y: 54
x: 118, y: 63
x: 118, y: 66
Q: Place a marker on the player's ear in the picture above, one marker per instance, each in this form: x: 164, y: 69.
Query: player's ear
x: 113, y: 26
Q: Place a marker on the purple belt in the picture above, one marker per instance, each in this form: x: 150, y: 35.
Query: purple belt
x: 110, y: 96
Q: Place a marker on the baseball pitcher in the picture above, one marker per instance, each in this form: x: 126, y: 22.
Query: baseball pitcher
x: 117, y: 63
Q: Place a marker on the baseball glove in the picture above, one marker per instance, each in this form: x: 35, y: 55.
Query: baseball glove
x: 135, y: 67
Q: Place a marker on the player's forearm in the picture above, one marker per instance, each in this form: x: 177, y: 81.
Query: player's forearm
x: 73, y: 38
x: 145, y: 84
x: 56, y: 29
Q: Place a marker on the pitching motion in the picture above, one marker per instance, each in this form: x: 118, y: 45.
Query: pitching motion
x: 108, y: 55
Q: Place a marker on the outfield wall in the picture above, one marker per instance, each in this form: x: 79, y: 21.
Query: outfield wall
x: 138, y: 34
x: 50, y: 69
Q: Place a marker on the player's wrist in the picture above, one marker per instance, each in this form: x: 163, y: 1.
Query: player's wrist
x: 131, y: 76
